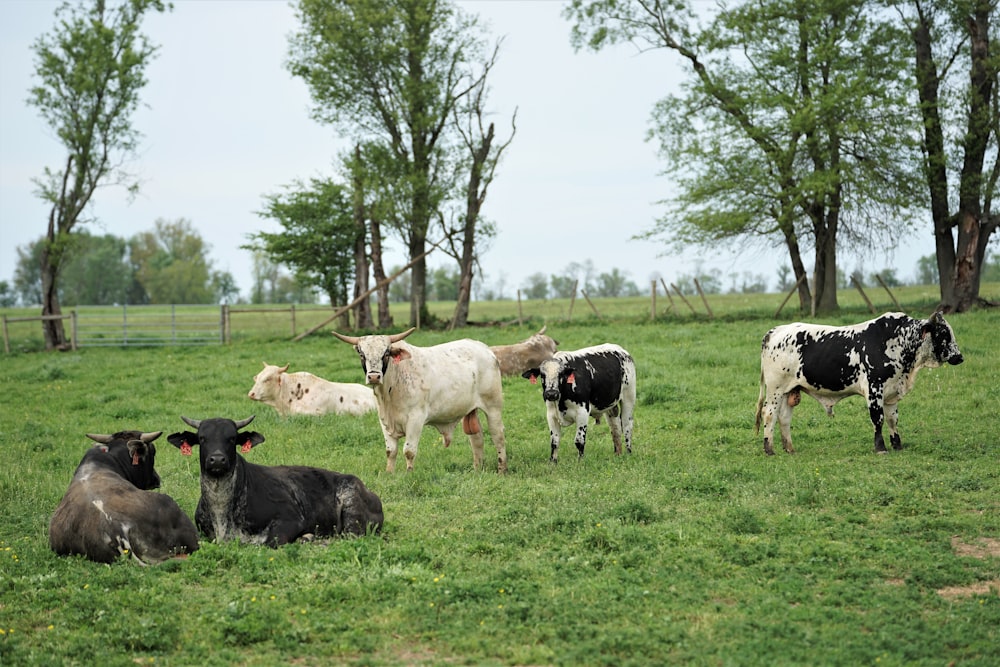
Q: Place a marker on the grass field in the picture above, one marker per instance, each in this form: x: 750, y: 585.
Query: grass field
x: 695, y: 550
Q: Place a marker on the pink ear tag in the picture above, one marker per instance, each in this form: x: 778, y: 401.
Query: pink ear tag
x: 246, y: 447
x: 534, y: 379
x: 572, y: 379
x: 185, y: 449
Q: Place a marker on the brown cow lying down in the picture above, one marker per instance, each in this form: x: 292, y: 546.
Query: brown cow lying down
x: 303, y: 393
x: 108, y: 512
x: 529, y: 353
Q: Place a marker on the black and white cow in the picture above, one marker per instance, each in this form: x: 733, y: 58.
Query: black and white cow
x: 877, y: 359
x: 109, y: 511
x: 592, y: 381
x: 271, y: 505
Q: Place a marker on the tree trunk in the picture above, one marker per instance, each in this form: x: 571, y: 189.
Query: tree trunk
x: 51, y: 256
x: 473, y: 203
x: 378, y: 272
x: 418, y: 279
x: 363, y: 311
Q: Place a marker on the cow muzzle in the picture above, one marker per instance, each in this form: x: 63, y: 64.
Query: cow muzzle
x: 374, y: 378
x: 216, y: 465
x: 956, y: 360
x: 550, y: 395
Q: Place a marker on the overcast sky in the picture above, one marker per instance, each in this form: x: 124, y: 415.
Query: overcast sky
x: 225, y: 124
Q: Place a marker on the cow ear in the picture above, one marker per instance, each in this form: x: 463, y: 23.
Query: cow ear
x: 182, y: 438
x: 531, y: 374
x: 138, y: 450
x: 398, y: 354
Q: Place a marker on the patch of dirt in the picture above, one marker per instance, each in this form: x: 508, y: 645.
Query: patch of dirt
x: 978, y: 588
x: 982, y: 547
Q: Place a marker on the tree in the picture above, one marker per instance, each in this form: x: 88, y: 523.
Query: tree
x: 8, y: 297
x: 482, y: 158
x: 392, y: 71
x: 536, y: 286
x: 927, y: 271
x: 947, y: 36
x: 171, y: 263
x: 777, y: 137
x: 95, y: 271
x: 90, y: 72
x: 615, y: 284
x: 319, y: 238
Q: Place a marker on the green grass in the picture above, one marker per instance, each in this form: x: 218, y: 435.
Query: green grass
x: 695, y: 550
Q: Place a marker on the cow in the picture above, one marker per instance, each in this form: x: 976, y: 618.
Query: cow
x: 517, y: 358
x: 109, y: 509
x: 877, y: 359
x: 439, y: 385
x: 270, y: 505
x: 303, y: 393
x: 592, y: 381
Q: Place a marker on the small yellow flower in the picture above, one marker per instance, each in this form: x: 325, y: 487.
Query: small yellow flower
x: 432, y: 604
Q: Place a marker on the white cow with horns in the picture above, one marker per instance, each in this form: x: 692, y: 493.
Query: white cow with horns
x: 439, y: 385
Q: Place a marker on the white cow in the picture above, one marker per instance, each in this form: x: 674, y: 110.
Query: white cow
x: 307, y: 394
x: 439, y: 385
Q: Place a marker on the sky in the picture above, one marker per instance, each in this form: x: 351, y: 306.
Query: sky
x: 224, y: 124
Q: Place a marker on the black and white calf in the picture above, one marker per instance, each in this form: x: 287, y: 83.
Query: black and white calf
x: 592, y: 381
x: 109, y: 510
x: 271, y: 505
x: 877, y: 359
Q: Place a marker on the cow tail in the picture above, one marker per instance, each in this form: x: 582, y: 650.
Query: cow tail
x: 760, y: 403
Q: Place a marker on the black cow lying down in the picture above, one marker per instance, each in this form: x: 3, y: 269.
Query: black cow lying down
x: 271, y: 505
x: 108, y: 510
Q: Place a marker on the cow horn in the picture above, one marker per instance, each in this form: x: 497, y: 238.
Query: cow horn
x: 395, y: 338
x: 193, y: 423
x: 350, y: 340
x: 243, y: 422
x: 150, y: 437
x: 542, y: 330
x: 283, y: 369
x: 98, y: 437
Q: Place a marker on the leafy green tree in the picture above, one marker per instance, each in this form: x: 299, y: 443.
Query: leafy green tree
x: 89, y: 73
x: 224, y: 287
x: 8, y: 297
x: 392, y: 72
x: 95, y: 271
x: 615, y: 284
x: 319, y: 236
x: 927, y: 271
x: 957, y: 65
x: 442, y: 284
x: 536, y: 286
x: 172, y: 264
x: 562, y: 286
x: 776, y: 137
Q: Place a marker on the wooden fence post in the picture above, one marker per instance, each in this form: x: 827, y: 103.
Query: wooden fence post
x: 863, y: 295
x: 790, y: 293
x: 652, y: 305
x: 572, y: 299
x: 683, y: 299
x: 6, y: 338
x: 592, y: 307
x: 888, y: 291
x: 520, y: 313
x: 701, y: 293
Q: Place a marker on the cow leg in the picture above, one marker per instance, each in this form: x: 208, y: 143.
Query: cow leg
x: 555, y: 432
x: 495, y: 423
x: 615, y: 424
x: 892, y: 419
x: 877, y: 414
x: 627, y: 420
x: 785, y: 405
x: 476, y: 440
x: 582, y: 417
x: 391, y: 446
x: 413, y: 429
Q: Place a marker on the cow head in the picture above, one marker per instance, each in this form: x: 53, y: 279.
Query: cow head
x: 376, y: 352
x: 553, y: 374
x: 943, y: 344
x: 542, y: 343
x: 133, y: 453
x: 217, y: 440
x: 267, y: 382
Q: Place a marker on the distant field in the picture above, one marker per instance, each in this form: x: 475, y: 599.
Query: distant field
x: 695, y: 550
